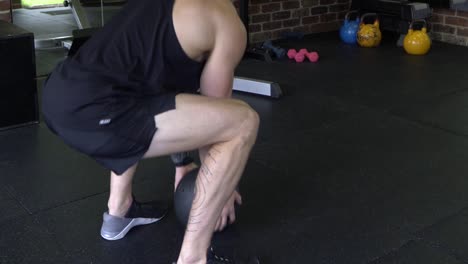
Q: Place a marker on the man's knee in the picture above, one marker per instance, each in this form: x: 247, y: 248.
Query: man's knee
x: 239, y: 102
x: 250, y: 124
x: 254, y: 120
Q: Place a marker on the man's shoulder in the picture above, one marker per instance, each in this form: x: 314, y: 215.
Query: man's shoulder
x: 209, y: 9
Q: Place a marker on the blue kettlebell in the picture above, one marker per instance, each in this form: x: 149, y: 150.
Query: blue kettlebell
x: 348, y: 31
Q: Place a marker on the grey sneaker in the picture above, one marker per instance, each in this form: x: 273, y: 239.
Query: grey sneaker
x: 114, y: 227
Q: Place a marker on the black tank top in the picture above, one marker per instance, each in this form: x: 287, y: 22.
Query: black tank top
x: 135, y: 55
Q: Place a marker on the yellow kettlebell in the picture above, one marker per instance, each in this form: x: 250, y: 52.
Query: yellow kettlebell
x: 369, y: 35
x: 417, y: 42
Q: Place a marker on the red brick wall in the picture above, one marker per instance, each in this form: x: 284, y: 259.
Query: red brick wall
x: 5, y: 10
x: 270, y: 18
x: 16, y: 4
x: 450, y: 26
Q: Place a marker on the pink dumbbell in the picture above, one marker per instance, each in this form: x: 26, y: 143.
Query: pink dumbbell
x: 313, y: 56
x: 299, y: 57
x: 303, y: 51
x: 302, y: 54
x: 292, y: 53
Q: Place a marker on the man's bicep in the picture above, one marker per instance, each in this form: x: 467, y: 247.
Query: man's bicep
x: 217, y: 78
x: 218, y: 74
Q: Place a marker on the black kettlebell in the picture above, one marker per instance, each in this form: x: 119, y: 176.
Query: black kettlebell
x: 183, y: 196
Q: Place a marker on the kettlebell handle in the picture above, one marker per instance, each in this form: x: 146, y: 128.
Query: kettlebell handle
x: 368, y: 15
x: 349, y: 13
x: 417, y: 21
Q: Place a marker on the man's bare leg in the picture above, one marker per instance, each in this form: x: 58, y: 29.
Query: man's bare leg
x: 120, y: 197
x: 218, y: 177
x: 124, y: 212
x: 230, y: 128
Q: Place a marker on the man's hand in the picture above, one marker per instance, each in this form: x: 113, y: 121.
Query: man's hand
x: 229, y: 212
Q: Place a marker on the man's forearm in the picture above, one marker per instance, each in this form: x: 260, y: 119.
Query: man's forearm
x: 221, y: 92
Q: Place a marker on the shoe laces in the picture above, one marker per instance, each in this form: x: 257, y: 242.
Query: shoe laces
x: 220, y: 258
x: 216, y: 258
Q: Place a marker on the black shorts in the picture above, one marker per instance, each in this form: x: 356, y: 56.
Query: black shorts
x: 117, y: 147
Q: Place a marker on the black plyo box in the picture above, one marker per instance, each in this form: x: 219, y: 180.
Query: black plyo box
x: 18, y: 88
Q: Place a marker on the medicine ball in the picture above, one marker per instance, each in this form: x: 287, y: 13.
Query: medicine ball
x: 183, y: 196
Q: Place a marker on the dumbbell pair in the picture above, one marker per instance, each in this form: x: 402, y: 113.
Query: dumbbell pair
x: 302, y: 54
x: 279, y: 52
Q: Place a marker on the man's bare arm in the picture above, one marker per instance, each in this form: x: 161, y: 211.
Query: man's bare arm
x: 229, y: 46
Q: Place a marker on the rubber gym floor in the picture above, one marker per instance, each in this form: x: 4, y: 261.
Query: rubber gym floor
x: 364, y: 160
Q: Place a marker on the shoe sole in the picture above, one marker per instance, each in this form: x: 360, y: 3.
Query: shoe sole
x: 132, y: 224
